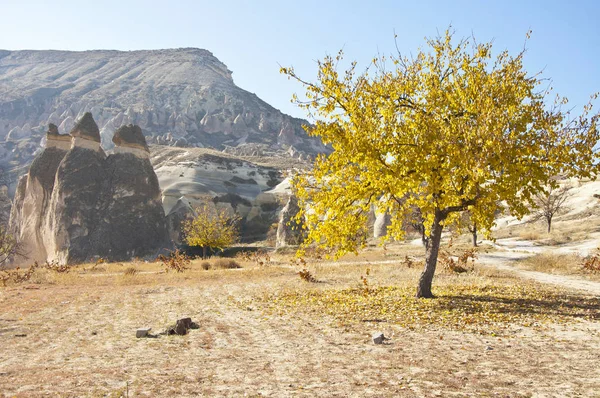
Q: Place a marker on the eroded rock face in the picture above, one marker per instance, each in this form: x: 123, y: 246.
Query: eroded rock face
x: 194, y: 177
x: 75, y: 208
x: 76, y: 203
x: 382, y: 222
x: 33, y: 195
x: 178, y: 213
x: 134, y: 220
x: 289, y: 232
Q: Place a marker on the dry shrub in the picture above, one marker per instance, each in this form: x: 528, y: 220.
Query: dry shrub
x: 461, y: 264
x: 55, y: 266
x: 17, y: 275
x: 258, y: 257
x: 130, y: 271
x: 225, y: 263
x: 306, y: 276
x: 177, y: 261
x: 365, y: 282
x: 220, y: 263
x: 592, y: 263
x: 408, y: 262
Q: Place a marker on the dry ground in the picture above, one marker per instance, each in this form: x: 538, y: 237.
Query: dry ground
x: 74, y: 335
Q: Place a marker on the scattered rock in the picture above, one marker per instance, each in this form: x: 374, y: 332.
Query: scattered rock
x: 488, y: 348
x: 378, y: 338
x: 142, y: 332
x: 182, y: 326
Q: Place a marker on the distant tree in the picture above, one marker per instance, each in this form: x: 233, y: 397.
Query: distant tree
x: 550, y: 203
x: 9, y: 246
x: 448, y: 130
x: 211, y: 228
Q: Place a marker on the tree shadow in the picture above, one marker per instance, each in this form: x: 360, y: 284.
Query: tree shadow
x: 570, y: 306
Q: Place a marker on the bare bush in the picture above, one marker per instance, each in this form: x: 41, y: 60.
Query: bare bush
x: 9, y: 246
x: 465, y: 262
x: 306, y: 275
x: 258, y: 257
x: 551, y: 203
x: 130, y: 271
x: 17, y: 275
x: 592, y: 263
x: 176, y: 261
x: 56, y: 267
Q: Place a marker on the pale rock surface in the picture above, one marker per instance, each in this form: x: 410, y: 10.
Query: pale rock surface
x: 192, y: 177
x: 33, y: 196
x: 382, y: 222
x: 288, y: 231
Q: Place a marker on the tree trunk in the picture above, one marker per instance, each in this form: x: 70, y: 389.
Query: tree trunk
x: 474, y: 232
x: 204, y: 249
x: 549, y: 223
x: 431, y: 256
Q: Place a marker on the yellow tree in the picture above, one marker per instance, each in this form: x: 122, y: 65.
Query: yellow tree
x: 450, y: 129
x: 211, y: 228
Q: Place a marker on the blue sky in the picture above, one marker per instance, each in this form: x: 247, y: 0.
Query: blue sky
x: 253, y: 37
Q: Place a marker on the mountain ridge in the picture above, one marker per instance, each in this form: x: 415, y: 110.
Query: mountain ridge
x: 185, y: 92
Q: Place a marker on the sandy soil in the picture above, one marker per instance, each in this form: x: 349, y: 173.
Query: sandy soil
x: 79, y: 340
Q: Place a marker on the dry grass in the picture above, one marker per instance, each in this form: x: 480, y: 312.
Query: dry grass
x: 220, y: 263
x: 565, y: 264
x: 562, y: 264
x: 488, y: 333
x: 564, y: 231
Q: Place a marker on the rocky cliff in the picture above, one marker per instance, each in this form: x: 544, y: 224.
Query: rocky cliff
x: 76, y: 203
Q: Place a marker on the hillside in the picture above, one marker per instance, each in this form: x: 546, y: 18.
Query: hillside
x: 179, y: 97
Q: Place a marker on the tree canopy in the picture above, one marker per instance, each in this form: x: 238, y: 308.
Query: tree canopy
x: 211, y: 228
x: 450, y: 129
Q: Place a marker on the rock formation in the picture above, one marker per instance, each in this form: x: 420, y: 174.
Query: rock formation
x: 289, y: 232
x: 75, y: 203
x: 33, y: 195
x: 134, y: 221
x: 193, y: 177
x: 177, y: 214
x: 74, y: 214
x: 382, y: 222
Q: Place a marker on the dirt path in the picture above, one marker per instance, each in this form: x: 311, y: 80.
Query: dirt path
x: 503, y: 260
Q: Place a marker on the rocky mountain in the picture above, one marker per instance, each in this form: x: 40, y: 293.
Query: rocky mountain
x: 179, y: 97
x: 75, y: 202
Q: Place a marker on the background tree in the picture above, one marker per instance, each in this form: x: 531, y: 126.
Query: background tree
x: 448, y: 130
x: 550, y: 203
x: 211, y: 228
x: 9, y: 246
